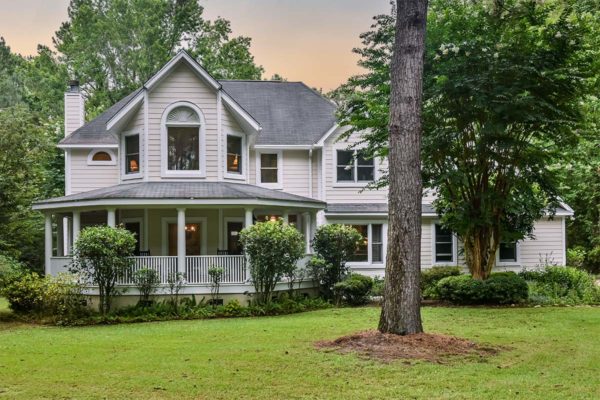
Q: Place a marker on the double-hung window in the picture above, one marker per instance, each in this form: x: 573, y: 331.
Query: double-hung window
x: 269, y: 169
x: 507, y: 252
x: 444, y: 245
x: 132, y: 154
x: 354, y: 167
x: 234, y: 154
x: 370, y: 247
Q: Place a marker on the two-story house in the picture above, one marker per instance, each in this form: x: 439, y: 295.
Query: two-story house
x: 187, y: 161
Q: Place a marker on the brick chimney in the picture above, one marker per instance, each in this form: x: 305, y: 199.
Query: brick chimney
x: 74, y: 108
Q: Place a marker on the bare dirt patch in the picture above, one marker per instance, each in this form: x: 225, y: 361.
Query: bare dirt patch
x: 430, y: 347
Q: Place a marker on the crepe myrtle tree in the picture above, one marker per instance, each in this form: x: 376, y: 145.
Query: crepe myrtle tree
x: 503, y: 85
x: 273, y: 248
x: 101, y: 256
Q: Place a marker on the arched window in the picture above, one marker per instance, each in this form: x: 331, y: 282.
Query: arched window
x: 101, y: 157
x: 183, y: 126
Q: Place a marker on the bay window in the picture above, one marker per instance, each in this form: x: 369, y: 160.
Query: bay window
x: 184, y: 149
x: 183, y: 141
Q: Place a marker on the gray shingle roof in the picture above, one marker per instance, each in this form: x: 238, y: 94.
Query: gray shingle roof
x: 290, y: 113
x: 94, y: 132
x: 368, y: 208
x: 183, y: 190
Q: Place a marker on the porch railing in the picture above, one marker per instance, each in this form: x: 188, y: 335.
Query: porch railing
x: 164, y: 265
x: 234, y: 268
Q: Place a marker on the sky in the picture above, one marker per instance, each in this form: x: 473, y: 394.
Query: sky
x: 302, y: 40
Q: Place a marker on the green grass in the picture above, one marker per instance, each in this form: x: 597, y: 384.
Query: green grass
x: 554, y: 354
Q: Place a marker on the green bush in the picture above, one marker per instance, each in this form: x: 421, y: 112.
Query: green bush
x: 64, y: 298
x: 354, y: 290
x: 561, y: 286
x: 499, y: 288
x: 25, y: 295
x: 10, y: 269
x: 334, y: 245
x: 273, y: 249
x: 146, y: 280
x: 431, y: 276
x: 378, y: 286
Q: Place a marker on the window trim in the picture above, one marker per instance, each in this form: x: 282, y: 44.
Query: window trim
x: 164, y: 151
x: 124, y: 174
x: 517, y: 262
x: 233, y: 175
x: 355, y: 183
x: 279, y: 184
x: 165, y: 221
x: 384, y: 227
x: 93, y: 152
x: 454, y: 260
x: 226, y: 220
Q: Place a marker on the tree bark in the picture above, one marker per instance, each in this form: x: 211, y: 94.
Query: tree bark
x: 480, y: 251
x: 401, y: 311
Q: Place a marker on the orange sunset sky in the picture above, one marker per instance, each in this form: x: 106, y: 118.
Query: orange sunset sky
x: 303, y: 40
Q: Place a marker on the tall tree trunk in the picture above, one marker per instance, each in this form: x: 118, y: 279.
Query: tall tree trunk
x: 401, y: 311
x: 481, y: 246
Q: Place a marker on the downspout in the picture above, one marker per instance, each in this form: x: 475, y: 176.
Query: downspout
x: 310, y: 174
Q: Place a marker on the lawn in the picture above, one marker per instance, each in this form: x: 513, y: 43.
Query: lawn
x: 553, y: 354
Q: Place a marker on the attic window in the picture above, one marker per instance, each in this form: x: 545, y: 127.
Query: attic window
x: 101, y: 157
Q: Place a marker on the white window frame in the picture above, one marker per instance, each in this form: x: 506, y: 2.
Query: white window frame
x: 226, y: 220
x: 454, y: 260
x: 188, y: 220
x: 245, y: 164
x: 93, y: 152
x: 279, y: 184
x: 355, y: 182
x: 164, y: 153
x: 369, y: 262
x: 124, y: 175
x: 506, y: 263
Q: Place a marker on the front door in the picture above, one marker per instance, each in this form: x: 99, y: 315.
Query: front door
x: 192, y: 239
x: 234, y: 246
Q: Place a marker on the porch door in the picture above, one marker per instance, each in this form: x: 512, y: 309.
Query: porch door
x: 135, y: 228
x: 234, y: 246
x: 192, y: 239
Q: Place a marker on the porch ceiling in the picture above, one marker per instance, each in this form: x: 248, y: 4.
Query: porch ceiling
x: 181, y: 193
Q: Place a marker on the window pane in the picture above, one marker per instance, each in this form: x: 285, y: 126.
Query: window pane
x: 184, y: 150
x: 444, y: 246
x: 362, y: 250
x: 508, y: 252
x: 366, y: 173
x: 234, y: 154
x: 345, y: 157
x: 345, y: 174
x: 268, y: 175
x: 268, y: 160
x: 101, y: 156
x: 376, y: 243
x: 361, y: 160
x: 132, y: 154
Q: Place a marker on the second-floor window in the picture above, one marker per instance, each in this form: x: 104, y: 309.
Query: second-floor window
x: 132, y: 154
x: 234, y: 154
x: 183, y: 145
x: 268, y: 168
x: 354, y: 167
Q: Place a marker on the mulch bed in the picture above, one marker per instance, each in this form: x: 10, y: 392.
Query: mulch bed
x: 429, y: 347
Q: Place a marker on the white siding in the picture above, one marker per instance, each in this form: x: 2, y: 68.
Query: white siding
x: 295, y: 172
x: 181, y: 85
x: 89, y: 177
x: 74, y: 111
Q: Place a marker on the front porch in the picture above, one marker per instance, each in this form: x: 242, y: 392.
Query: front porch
x: 185, y: 235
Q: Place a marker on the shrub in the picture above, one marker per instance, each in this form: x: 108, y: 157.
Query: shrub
x: 10, y: 269
x: 216, y: 275
x: 431, y: 276
x: 65, y: 299
x: 576, y: 256
x: 175, y: 282
x: 499, y: 288
x: 354, y: 290
x: 273, y: 249
x: 334, y: 245
x: 378, y: 286
x: 25, y: 294
x: 101, y: 257
x: 592, y: 260
x: 146, y: 280
x: 561, y: 285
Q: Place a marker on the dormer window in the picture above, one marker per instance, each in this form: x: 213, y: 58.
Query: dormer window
x: 101, y: 157
x: 183, y: 144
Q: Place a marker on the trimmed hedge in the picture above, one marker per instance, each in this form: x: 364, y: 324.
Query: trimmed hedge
x: 354, y: 290
x: 499, y: 288
x: 431, y: 276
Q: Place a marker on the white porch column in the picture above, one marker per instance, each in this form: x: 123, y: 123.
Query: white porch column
x: 111, y: 217
x: 248, y: 217
x: 181, y: 240
x: 286, y: 216
x: 76, y: 226
x: 47, y: 242
x: 307, y: 224
x: 145, y: 235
